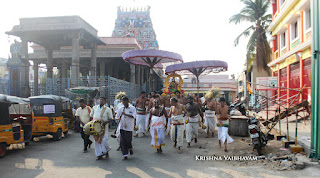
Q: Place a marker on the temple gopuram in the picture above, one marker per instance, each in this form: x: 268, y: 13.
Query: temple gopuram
x: 136, y: 22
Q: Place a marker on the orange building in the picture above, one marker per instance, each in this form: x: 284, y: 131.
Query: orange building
x: 291, y: 47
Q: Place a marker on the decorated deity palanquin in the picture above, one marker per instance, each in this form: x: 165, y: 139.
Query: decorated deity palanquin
x: 136, y: 22
x: 291, y: 47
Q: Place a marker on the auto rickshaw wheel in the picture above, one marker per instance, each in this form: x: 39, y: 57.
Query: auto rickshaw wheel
x: 58, y: 135
x: 3, y: 149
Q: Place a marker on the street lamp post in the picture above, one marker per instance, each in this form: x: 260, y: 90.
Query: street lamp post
x: 315, y: 85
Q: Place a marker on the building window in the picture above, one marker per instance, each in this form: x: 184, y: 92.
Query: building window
x: 294, y: 30
x: 275, y: 42
x: 240, y: 83
x: 283, y: 40
x: 308, y: 19
x: 193, y: 81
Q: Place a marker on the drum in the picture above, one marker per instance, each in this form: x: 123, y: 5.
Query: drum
x: 94, y: 127
x: 203, y: 126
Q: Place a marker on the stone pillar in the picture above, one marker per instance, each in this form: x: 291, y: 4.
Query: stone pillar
x: 59, y: 67
x: 110, y: 69
x: 64, y: 74
x: 24, y: 73
x: 138, y: 76
x: 49, y: 63
x: 147, y: 74
x: 64, y: 70
x: 93, y: 68
x: 116, y: 70
x: 102, y: 69
x: 36, y: 78
x: 75, y: 61
x: 132, y: 73
x: 143, y: 80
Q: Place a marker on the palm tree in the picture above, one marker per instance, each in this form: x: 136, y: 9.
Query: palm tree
x: 255, y: 12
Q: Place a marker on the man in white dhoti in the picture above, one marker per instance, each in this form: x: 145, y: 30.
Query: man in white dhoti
x: 177, y: 126
x: 167, y: 106
x: 127, y: 115
x: 223, y: 123
x: 141, y: 114
x: 210, y: 116
x: 104, y: 113
x: 158, y: 118
x: 194, y: 112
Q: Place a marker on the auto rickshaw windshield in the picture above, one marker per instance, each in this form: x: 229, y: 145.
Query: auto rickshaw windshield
x: 19, y: 109
x: 47, y: 105
x: 4, y: 119
x: 49, y: 110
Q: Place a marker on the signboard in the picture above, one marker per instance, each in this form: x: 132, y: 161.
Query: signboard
x: 13, y: 62
x: 267, y: 83
x: 49, y: 109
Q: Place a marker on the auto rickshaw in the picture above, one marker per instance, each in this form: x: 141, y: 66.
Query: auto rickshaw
x: 47, y: 116
x: 67, y: 111
x: 15, y: 122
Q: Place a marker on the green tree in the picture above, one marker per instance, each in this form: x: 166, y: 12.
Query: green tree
x: 256, y: 13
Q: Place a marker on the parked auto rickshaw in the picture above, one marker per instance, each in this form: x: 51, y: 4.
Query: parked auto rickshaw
x: 15, y: 122
x: 47, y: 116
x: 67, y: 112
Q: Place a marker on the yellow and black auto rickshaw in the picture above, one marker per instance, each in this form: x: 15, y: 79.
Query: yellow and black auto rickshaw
x: 47, y: 116
x: 15, y: 122
x: 67, y: 112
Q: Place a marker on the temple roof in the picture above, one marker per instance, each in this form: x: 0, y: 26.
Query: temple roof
x: 120, y: 41
x: 58, y: 31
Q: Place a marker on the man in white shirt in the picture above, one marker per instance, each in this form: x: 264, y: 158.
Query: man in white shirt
x: 127, y: 115
x: 83, y: 116
x: 104, y: 113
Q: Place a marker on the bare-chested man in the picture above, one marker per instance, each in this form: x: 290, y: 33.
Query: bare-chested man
x: 153, y: 96
x: 149, y: 106
x: 223, y: 124
x: 141, y: 113
x: 210, y: 116
x: 197, y: 100
x: 194, y: 112
x: 180, y: 98
x: 177, y: 126
x: 158, y: 120
x: 167, y: 106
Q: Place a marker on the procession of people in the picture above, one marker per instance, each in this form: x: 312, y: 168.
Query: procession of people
x: 177, y: 115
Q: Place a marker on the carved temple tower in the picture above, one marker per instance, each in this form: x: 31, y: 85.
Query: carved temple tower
x: 136, y: 22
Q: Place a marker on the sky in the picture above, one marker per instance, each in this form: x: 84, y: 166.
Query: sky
x: 196, y: 29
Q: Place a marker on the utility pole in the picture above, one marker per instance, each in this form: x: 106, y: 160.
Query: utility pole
x: 315, y: 85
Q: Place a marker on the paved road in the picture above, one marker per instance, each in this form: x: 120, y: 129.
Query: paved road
x: 64, y: 158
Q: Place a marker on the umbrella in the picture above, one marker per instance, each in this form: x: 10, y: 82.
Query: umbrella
x: 198, y: 67
x: 151, y: 58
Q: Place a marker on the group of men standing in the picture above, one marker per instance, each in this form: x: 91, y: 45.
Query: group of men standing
x: 177, y: 116
x: 180, y: 117
x: 126, y: 114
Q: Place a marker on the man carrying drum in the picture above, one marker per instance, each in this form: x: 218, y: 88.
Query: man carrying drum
x: 83, y: 116
x: 103, y: 113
